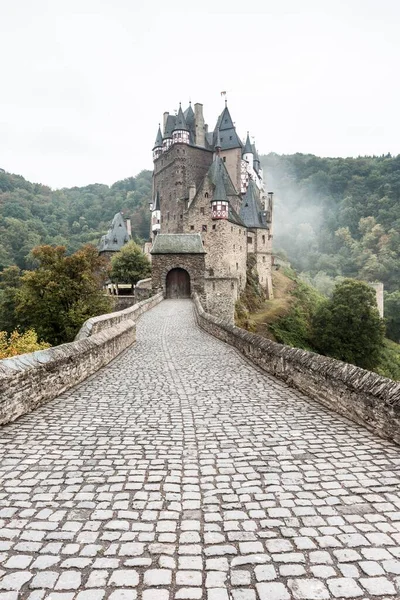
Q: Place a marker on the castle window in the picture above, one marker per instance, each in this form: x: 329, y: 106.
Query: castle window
x: 230, y: 137
x: 202, y: 210
x: 263, y: 239
x: 211, y: 272
x: 232, y: 286
x: 181, y: 216
x: 224, y: 158
x: 168, y: 216
x: 192, y: 227
x: 249, y: 240
x: 214, y: 226
x: 206, y: 195
x: 237, y: 266
x: 263, y: 258
x: 204, y: 227
x: 158, y: 221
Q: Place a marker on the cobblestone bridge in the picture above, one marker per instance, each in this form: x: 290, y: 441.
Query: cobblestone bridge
x: 182, y: 472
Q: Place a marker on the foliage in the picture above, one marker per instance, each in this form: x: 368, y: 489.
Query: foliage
x: 294, y: 328
x: 389, y: 365
x: 20, y: 343
x: 252, y: 297
x: 392, y: 315
x: 10, y: 282
x: 33, y: 214
x: 348, y: 326
x: 62, y: 292
x: 129, y: 265
x: 338, y: 216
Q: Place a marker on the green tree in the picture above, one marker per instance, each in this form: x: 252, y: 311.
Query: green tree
x: 10, y: 282
x: 129, y: 265
x: 62, y: 292
x: 348, y: 326
x: 392, y: 315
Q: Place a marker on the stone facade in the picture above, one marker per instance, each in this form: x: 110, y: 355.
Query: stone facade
x: 362, y: 396
x: 194, y: 264
x: 201, y: 184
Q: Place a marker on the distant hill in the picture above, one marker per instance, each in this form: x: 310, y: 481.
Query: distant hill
x: 333, y: 216
x: 32, y: 214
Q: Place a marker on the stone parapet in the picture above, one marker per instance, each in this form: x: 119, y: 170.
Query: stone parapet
x: 96, y: 324
x: 362, y: 396
x: 29, y: 380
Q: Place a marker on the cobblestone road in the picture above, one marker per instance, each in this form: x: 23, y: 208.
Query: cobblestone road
x: 181, y: 472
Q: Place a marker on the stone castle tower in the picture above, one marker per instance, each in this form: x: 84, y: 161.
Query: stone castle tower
x: 209, y: 211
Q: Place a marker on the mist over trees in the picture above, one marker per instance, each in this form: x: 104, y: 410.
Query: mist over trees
x: 339, y: 217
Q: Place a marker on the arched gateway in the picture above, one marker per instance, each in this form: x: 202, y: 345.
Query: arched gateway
x: 178, y: 284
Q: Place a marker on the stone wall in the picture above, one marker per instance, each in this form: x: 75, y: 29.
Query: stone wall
x: 361, y: 396
x: 29, y: 380
x: 221, y: 295
x: 192, y: 263
x: 143, y: 289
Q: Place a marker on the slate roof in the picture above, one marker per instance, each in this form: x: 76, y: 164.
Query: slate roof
x: 158, y: 141
x: 178, y: 243
x: 116, y: 237
x: 228, y: 136
x: 251, y: 210
x: 180, y: 122
x: 248, y: 148
x: 169, y: 126
x: 219, y: 177
x: 220, y: 191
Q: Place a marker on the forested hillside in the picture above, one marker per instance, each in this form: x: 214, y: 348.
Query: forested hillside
x: 33, y: 214
x: 333, y: 216
x: 337, y: 216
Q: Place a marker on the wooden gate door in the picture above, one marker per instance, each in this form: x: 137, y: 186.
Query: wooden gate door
x: 178, y: 284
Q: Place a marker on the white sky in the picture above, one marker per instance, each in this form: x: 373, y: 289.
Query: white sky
x: 84, y: 83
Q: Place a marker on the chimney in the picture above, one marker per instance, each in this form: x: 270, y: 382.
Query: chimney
x: 192, y: 192
x: 199, y: 120
x: 129, y: 228
x: 166, y: 115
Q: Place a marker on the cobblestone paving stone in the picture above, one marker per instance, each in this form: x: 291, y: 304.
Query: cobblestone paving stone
x: 181, y: 472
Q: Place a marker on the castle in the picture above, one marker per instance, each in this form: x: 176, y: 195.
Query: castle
x: 209, y: 211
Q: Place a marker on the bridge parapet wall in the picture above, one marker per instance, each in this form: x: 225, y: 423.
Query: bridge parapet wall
x: 29, y: 380
x: 362, y: 396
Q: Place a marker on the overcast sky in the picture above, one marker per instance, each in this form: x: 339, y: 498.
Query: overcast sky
x: 84, y: 83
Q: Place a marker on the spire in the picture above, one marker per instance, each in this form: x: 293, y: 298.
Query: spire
x: 248, y: 148
x: 180, y: 122
x: 227, y: 132
x: 220, y: 190
x: 159, y: 138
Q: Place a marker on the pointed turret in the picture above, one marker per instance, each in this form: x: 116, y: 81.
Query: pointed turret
x: 116, y: 236
x: 226, y: 128
x: 219, y: 202
x: 168, y: 129
x: 248, y: 148
x: 252, y: 212
x: 180, y: 133
x: 158, y: 144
